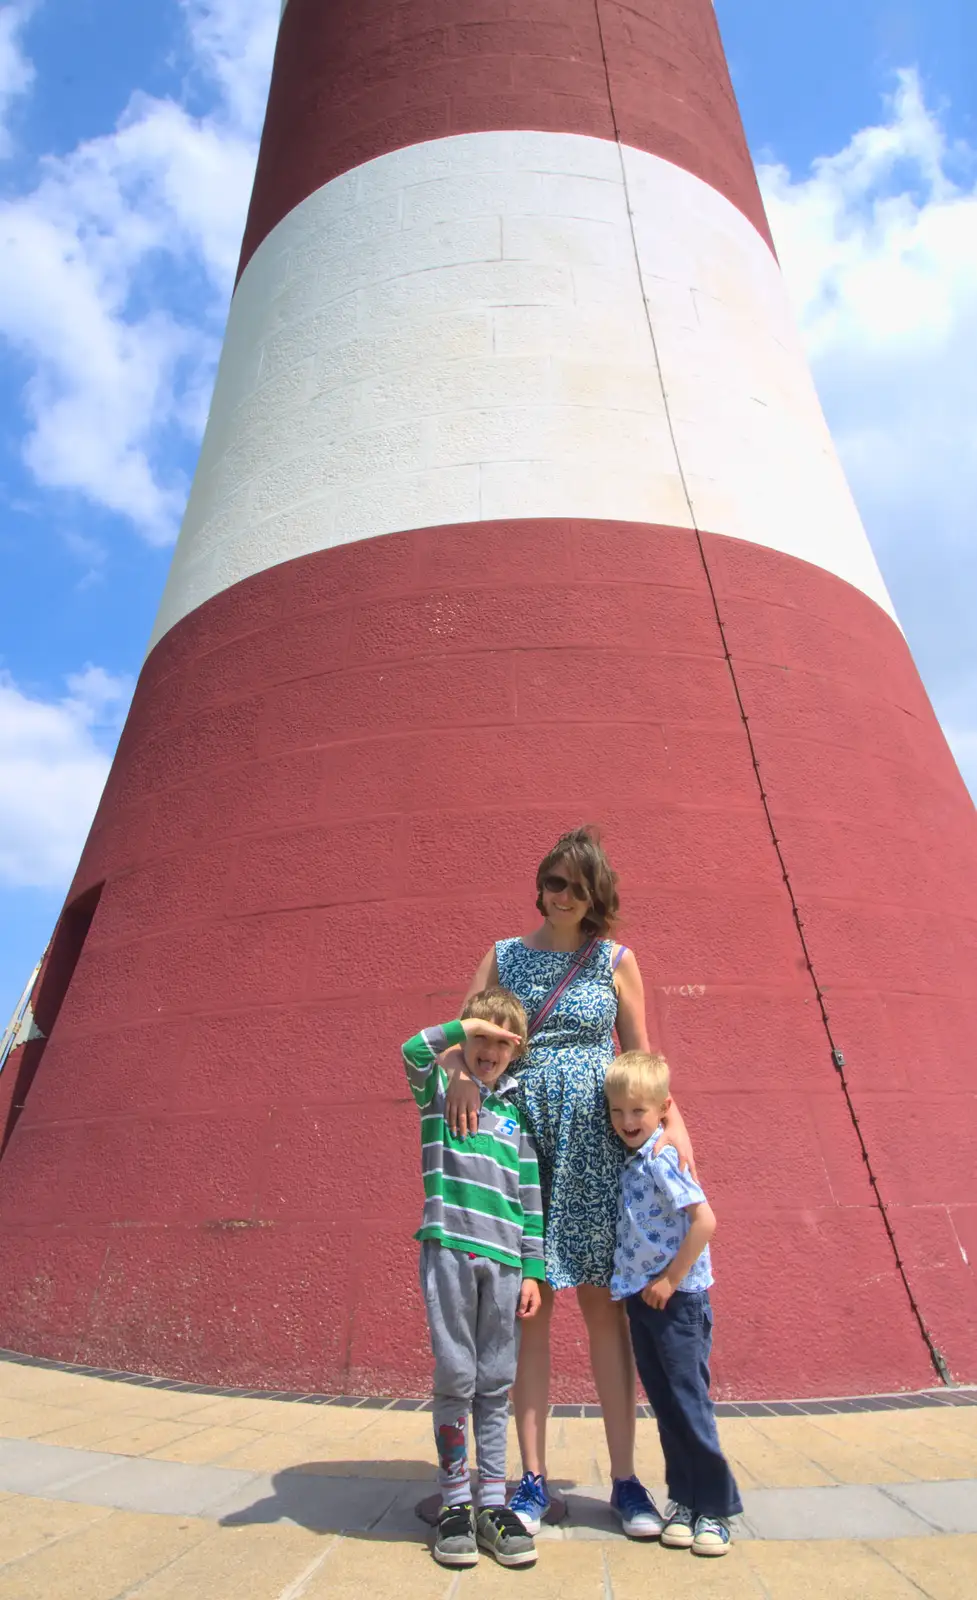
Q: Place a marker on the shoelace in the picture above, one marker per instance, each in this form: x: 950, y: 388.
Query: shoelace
x: 679, y: 1513
x: 633, y: 1497
x: 530, y: 1493
x: 712, y: 1525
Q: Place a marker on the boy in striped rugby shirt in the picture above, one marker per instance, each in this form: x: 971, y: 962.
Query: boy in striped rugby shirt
x: 481, y: 1265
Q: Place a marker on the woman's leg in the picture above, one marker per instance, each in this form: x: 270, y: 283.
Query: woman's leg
x: 531, y: 1390
x: 612, y: 1364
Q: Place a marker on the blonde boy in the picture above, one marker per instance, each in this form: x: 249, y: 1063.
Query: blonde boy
x: 663, y: 1273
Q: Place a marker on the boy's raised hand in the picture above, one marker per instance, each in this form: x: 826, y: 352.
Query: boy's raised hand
x: 477, y: 1027
x: 530, y: 1299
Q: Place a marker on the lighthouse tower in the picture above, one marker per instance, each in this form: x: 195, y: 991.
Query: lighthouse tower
x: 516, y: 509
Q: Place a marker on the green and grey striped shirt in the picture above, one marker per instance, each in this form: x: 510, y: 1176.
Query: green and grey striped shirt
x: 481, y: 1194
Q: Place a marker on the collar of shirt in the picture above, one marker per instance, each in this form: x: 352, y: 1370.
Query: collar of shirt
x: 501, y: 1086
x: 647, y: 1148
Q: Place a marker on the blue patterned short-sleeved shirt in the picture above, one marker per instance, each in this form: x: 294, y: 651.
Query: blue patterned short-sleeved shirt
x: 652, y: 1221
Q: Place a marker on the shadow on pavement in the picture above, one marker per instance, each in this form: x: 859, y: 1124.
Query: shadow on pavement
x: 336, y: 1497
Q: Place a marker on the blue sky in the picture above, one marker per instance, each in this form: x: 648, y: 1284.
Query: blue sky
x: 127, y: 140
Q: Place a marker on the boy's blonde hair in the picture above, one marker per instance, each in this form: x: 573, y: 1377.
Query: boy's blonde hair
x: 638, y: 1073
x: 502, y: 1007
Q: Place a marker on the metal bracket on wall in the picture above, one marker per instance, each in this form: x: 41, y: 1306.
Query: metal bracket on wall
x: 21, y: 1028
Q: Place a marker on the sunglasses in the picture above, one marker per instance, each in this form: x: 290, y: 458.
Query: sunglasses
x: 554, y: 884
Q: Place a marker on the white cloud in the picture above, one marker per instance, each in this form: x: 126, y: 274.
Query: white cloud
x: 879, y: 249
x: 234, y: 41
x: 118, y: 226
x: 16, y: 71
x: 54, y: 758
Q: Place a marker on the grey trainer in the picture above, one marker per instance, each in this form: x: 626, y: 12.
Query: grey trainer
x: 501, y: 1532
x: 454, y: 1542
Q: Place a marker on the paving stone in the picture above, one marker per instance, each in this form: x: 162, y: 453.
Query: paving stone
x: 401, y: 1521
x: 164, y: 1487
x: 318, y: 1502
x: 318, y: 1497
x: 644, y: 1572
x: 351, y: 1571
x: 205, y: 1446
x: 843, y: 1511
x: 240, y: 1564
x: 950, y: 1507
x: 942, y: 1569
x: 27, y: 1467
x: 106, y: 1559
x: 832, y: 1570
x: 27, y: 1525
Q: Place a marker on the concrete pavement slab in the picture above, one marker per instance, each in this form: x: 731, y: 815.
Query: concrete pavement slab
x: 950, y: 1507
x: 164, y: 1487
x: 321, y: 1503
x: 316, y: 1497
x: 841, y: 1511
x: 27, y: 1467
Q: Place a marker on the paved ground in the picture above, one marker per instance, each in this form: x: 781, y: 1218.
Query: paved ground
x: 109, y: 1491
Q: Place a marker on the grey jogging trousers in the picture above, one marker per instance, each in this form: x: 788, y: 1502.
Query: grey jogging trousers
x: 471, y: 1311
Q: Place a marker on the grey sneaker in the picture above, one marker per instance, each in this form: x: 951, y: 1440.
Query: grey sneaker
x: 454, y: 1543
x: 712, y: 1536
x: 679, y: 1529
x: 501, y: 1532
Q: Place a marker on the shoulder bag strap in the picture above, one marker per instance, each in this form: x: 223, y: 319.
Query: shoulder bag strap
x: 558, y: 989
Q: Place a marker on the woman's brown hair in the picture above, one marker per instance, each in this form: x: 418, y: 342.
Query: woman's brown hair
x: 582, y: 854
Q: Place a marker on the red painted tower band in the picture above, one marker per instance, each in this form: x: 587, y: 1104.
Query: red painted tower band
x: 516, y: 508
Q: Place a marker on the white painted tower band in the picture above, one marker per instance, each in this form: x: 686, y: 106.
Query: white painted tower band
x: 502, y: 325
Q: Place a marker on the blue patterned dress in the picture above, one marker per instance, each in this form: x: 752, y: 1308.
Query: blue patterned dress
x: 560, y: 1087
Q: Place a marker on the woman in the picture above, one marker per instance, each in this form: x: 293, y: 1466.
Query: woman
x: 561, y: 1090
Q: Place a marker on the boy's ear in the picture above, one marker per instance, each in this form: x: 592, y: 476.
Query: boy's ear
x: 666, y: 1105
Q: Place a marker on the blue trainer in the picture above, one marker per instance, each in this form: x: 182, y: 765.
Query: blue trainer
x: 636, y: 1509
x: 531, y: 1501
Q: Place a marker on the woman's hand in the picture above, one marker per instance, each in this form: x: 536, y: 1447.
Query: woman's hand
x: 675, y: 1133
x: 463, y: 1102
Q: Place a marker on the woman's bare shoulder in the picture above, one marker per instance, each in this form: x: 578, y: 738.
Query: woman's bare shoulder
x: 623, y: 960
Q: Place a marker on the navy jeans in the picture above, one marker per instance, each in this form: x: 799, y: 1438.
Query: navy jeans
x: 671, y: 1351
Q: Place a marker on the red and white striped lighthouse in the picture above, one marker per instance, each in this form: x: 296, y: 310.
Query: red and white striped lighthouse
x: 516, y: 508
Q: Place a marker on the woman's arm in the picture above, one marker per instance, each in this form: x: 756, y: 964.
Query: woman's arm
x: 677, y: 1134
x: 462, y: 1102
x: 632, y: 1033
x: 632, y: 1028
x: 486, y: 976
